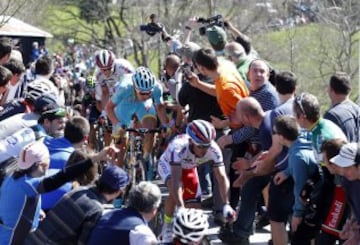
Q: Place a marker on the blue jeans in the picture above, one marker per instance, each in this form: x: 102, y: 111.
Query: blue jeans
x: 249, y: 194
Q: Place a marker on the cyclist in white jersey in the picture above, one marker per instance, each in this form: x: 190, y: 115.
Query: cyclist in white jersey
x: 110, y: 72
x: 177, y: 168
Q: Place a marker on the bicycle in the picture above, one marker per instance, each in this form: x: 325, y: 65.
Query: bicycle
x: 139, y: 170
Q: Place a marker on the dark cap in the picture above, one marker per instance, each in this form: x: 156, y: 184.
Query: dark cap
x: 52, y: 114
x: 217, y: 37
x: 115, y: 177
x: 44, y: 103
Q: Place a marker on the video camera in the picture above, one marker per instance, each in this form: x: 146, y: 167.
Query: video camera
x: 209, y: 22
x: 154, y: 27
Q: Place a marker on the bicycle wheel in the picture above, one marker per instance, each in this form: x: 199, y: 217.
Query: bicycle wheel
x: 140, y: 171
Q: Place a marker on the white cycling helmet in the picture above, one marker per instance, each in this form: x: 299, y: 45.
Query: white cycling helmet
x: 104, y: 59
x: 38, y: 88
x: 190, y: 225
x: 144, y: 79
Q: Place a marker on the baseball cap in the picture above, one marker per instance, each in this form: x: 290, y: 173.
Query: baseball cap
x: 52, y: 114
x: 348, y: 156
x: 188, y: 49
x: 44, y: 103
x: 114, y: 177
x: 217, y: 37
x: 32, y: 153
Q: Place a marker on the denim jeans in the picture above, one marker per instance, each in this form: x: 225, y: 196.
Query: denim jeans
x: 249, y: 194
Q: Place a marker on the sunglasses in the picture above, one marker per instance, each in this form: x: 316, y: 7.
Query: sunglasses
x: 144, y: 93
x: 207, y: 146
x: 107, y: 69
x: 58, y: 112
x: 299, y: 100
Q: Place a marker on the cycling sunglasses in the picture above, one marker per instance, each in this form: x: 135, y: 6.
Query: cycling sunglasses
x: 201, y: 146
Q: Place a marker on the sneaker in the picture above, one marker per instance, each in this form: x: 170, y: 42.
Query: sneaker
x: 230, y: 237
x: 166, y: 235
x: 207, y: 203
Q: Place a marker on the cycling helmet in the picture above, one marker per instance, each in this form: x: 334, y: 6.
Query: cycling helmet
x: 144, y: 79
x: 104, y: 59
x: 36, y: 89
x: 90, y: 82
x: 190, y: 225
x: 201, y: 132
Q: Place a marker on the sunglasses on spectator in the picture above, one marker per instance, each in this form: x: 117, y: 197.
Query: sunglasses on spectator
x: 299, y: 100
x: 58, y: 112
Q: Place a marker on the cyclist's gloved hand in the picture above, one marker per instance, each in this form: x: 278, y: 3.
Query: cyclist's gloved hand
x: 229, y: 213
x: 117, y: 131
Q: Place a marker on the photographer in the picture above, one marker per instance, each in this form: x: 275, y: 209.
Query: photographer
x: 215, y: 30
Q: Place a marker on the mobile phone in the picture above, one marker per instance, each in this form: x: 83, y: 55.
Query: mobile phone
x: 187, y: 71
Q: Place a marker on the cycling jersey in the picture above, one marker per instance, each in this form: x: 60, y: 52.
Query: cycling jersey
x: 178, y: 153
x: 121, y: 68
x: 127, y: 104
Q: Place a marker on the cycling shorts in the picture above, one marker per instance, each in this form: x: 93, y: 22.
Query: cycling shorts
x: 190, y: 181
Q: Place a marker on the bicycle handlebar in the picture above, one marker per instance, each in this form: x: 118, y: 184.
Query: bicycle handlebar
x: 144, y: 130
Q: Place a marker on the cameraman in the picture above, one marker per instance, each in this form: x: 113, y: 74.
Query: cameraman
x: 216, y: 34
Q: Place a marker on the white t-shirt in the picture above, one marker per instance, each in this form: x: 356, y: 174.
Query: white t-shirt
x: 12, y: 91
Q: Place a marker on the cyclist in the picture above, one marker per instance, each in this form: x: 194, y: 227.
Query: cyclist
x: 178, y: 165
x: 110, y: 72
x: 190, y: 227
x: 90, y: 110
x: 138, y: 94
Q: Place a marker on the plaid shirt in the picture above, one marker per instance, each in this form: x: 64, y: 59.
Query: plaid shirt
x: 71, y: 220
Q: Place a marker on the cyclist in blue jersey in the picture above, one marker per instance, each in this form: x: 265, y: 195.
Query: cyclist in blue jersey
x: 138, y: 94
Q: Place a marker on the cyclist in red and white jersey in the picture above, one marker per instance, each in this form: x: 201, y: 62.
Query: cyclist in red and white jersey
x: 177, y: 168
x: 110, y: 72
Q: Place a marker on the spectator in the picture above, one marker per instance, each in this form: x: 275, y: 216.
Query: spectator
x: 44, y: 69
x: 129, y: 225
x: 71, y: 220
x: 307, y: 112
x: 75, y: 134
x: 17, y: 83
x: 20, y: 210
x: 301, y: 167
x: 235, y: 52
x: 5, y: 49
x: 35, y: 52
x: 343, y: 112
x: 5, y: 76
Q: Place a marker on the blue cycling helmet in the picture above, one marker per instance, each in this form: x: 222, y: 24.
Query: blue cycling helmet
x: 144, y: 79
x: 201, y: 132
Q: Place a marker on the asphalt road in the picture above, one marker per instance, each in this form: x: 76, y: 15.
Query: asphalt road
x: 261, y: 237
